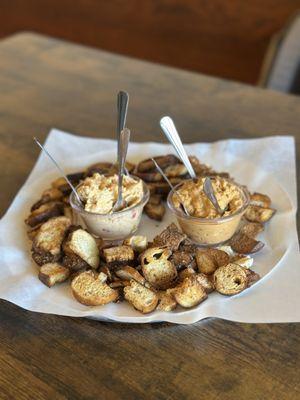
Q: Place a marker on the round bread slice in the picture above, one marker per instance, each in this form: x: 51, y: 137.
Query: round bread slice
x: 142, y: 298
x: 189, y: 293
x: 157, y: 269
x: 230, y: 279
x: 90, y: 289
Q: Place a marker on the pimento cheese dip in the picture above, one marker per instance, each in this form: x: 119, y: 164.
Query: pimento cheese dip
x: 198, y: 205
x: 204, y: 224
x: 99, y: 193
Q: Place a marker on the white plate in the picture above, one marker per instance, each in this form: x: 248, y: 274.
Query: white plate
x: 21, y: 285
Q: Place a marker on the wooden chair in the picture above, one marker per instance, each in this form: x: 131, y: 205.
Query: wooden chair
x: 281, y: 65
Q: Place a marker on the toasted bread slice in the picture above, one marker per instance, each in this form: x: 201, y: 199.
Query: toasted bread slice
x: 102, y: 168
x: 90, y: 289
x: 139, y: 243
x: 155, y: 212
x: 227, y: 250
x: 157, y: 269
x: 152, y: 176
x: 161, y: 188
x: 243, y: 244
x: 183, y: 259
x: 205, y: 262
x: 259, y: 199
x: 232, y: 279
x: 118, y: 254
x: 62, y: 185
x: 189, y: 293
x: 53, y: 273
x: 242, y: 260
x: 170, y: 237
x: 166, y: 301
x: 155, y: 199
x: 107, y: 271
x: 175, y: 170
x: 48, y: 195
x: 127, y: 273
x: 206, y: 282
x: 252, y: 229
x: 185, y: 273
x: 46, y: 246
x: 140, y: 297
x: 259, y: 214
x: 44, y: 213
x: 83, y: 245
x: 162, y: 161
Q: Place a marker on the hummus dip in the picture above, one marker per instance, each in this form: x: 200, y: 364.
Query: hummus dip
x: 99, y: 193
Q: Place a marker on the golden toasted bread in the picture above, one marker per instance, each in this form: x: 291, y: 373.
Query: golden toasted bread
x: 259, y: 199
x: 189, y: 293
x: 48, y: 195
x: 127, y: 273
x: 139, y: 243
x: 46, y: 246
x: 183, y: 259
x: 154, y: 211
x: 118, y: 254
x: 176, y: 170
x: 259, y: 214
x: 166, y: 301
x: 44, y: 212
x: 53, y: 273
x: 102, y: 168
x: 232, y: 279
x: 170, y: 237
x: 157, y: 269
x: 185, y: 273
x: 90, y: 289
x: 162, y: 161
x: 80, y: 248
x: 140, y: 297
x: 252, y: 229
x: 206, y: 282
x: 242, y: 260
x: 244, y: 244
x: 210, y: 259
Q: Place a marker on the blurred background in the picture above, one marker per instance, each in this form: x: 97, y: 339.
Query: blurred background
x: 256, y: 41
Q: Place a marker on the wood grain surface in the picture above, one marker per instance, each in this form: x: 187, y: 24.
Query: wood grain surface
x: 47, y: 83
x: 217, y: 37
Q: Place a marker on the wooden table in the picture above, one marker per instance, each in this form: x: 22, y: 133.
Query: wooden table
x: 48, y: 83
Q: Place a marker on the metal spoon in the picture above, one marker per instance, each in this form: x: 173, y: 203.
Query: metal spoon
x: 122, y: 153
x: 209, y: 191
x: 122, y: 106
x: 171, y: 186
x: 60, y: 170
x: 168, y: 127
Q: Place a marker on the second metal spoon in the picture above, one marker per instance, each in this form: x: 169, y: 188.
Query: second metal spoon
x: 209, y: 191
x: 122, y: 153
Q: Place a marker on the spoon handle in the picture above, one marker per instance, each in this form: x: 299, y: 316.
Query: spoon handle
x: 122, y: 153
x: 122, y: 104
x: 209, y: 191
x: 169, y: 129
x: 60, y: 169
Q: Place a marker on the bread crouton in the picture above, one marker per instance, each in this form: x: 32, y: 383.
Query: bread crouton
x: 189, y: 293
x: 170, y: 237
x: 259, y: 214
x: 175, y: 170
x: 154, y: 211
x: 80, y: 248
x: 157, y: 269
x: 44, y: 213
x: 162, y: 161
x: 140, y: 297
x: 166, y: 301
x: 127, y: 273
x: 53, y: 273
x: 118, y: 254
x: 185, y: 273
x: 46, y: 246
x: 206, y: 282
x: 183, y: 259
x: 244, y: 244
x: 232, y: 279
x: 89, y: 289
x: 139, y: 243
x: 252, y: 229
x: 259, y: 199
x: 210, y: 259
x: 242, y: 260
x: 48, y: 195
